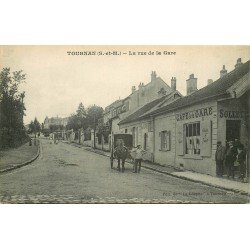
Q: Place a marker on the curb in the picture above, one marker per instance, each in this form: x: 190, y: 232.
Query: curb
x: 198, y: 181
x: 173, y: 175
x: 13, y: 167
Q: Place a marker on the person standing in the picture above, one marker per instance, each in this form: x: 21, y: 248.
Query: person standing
x: 241, y: 158
x: 138, y: 158
x: 230, y: 159
x: 219, y: 158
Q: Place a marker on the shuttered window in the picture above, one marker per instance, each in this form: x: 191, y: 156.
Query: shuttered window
x: 165, y: 140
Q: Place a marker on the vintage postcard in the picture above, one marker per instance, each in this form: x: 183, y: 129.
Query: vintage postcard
x: 124, y: 124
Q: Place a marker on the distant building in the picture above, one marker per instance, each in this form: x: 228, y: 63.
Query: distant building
x: 55, y: 121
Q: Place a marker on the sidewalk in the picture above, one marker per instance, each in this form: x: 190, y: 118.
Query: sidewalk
x: 230, y: 185
x: 17, y: 157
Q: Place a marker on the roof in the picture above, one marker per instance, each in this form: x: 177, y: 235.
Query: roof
x: 107, y: 109
x: 134, y: 116
x: 158, y: 79
x: 214, y: 90
x: 146, y: 86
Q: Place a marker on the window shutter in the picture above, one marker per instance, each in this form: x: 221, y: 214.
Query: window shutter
x: 169, y: 140
x: 206, y: 138
x: 160, y: 135
x: 180, y: 137
x: 150, y: 140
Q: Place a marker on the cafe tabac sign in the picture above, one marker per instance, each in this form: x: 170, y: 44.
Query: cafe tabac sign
x: 194, y: 114
x: 208, y: 111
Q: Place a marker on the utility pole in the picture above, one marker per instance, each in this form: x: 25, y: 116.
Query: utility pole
x: 94, y: 131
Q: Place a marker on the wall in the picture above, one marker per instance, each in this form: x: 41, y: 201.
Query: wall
x: 87, y: 143
x: 141, y: 127
x: 162, y: 123
x: 115, y: 126
x: 147, y: 93
x: 203, y: 163
x: 104, y: 147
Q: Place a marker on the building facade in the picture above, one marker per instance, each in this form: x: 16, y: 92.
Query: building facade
x: 138, y: 98
x: 184, y: 132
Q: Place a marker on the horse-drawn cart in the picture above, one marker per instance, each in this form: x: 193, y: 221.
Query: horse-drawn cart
x: 116, y: 139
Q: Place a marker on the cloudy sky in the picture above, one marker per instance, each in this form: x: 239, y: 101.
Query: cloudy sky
x: 57, y: 82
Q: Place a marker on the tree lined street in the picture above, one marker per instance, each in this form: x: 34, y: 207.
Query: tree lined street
x: 67, y: 174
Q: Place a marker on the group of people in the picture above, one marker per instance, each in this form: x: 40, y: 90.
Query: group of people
x: 230, y: 157
x: 121, y: 152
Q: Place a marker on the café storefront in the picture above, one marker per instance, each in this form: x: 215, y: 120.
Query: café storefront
x: 196, y: 137
x: 199, y: 129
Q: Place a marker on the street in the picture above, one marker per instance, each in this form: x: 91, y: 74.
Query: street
x: 67, y: 174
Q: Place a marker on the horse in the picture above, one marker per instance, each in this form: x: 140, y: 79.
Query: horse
x: 121, y: 153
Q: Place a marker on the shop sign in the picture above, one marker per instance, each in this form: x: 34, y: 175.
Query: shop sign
x: 119, y: 110
x: 232, y: 114
x: 194, y: 114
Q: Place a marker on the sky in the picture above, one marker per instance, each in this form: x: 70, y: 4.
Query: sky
x: 57, y: 82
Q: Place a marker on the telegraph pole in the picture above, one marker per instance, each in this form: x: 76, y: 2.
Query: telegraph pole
x: 94, y: 131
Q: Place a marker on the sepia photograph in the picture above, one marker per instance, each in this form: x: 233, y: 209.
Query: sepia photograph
x: 123, y: 124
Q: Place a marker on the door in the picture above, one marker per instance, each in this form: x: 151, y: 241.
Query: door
x: 133, y: 135
x: 233, y: 130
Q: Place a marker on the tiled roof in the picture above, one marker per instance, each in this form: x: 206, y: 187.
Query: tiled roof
x: 216, y: 89
x: 134, y: 116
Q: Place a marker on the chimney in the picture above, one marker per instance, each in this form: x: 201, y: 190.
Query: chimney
x: 191, y: 84
x: 133, y: 89
x: 141, y: 85
x: 238, y: 63
x: 209, y: 81
x: 223, y: 71
x: 173, y: 83
x: 153, y: 76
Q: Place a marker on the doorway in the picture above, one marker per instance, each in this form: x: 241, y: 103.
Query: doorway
x: 133, y: 135
x: 145, y: 145
x: 233, y: 129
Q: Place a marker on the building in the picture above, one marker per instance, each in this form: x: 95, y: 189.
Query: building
x: 55, y: 121
x: 141, y: 127
x: 145, y: 94
x: 183, y: 131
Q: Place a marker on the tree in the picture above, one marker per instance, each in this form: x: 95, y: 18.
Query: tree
x: 81, y: 116
x: 94, y: 113
x: 78, y: 120
x: 35, y: 126
x: 31, y: 127
x: 11, y: 108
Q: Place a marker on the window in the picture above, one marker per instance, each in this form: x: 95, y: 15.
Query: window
x: 126, y: 130
x: 193, y: 140
x: 165, y: 140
